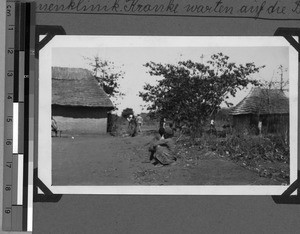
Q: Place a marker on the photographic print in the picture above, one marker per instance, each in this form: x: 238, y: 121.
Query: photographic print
x: 167, y: 115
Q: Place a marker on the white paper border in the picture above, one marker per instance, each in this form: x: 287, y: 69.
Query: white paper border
x: 44, y: 111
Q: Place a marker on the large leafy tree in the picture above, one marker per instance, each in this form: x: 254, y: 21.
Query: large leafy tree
x: 190, y: 92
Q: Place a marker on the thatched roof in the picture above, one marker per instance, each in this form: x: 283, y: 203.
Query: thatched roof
x: 262, y: 101
x: 77, y: 87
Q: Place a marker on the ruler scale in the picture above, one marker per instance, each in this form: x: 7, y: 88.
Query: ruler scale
x: 8, y: 126
x: 17, y: 166
x: 18, y: 140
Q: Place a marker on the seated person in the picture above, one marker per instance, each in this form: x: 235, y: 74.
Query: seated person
x: 169, y: 132
x: 162, y: 151
x: 54, y: 126
x: 161, y: 131
x: 162, y: 125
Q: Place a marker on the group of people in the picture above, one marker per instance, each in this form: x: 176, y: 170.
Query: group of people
x: 134, y: 125
x: 162, y: 147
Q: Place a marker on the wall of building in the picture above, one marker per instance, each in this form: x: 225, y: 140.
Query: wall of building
x: 80, y: 120
x: 274, y: 124
x: 77, y: 126
x: 241, y: 124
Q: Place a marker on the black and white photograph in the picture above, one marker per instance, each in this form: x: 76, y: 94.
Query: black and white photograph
x: 168, y: 115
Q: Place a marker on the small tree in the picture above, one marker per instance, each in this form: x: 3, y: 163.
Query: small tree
x: 107, y: 76
x: 190, y: 92
x: 278, y: 82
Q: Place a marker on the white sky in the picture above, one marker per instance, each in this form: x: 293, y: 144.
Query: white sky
x: 131, y: 59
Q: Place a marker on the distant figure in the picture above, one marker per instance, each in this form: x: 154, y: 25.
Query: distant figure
x: 54, y: 126
x: 129, y: 118
x: 162, y: 125
x: 164, y: 122
x: 139, y: 121
x: 162, y: 151
x: 212, y: 123
x: 161, y: 131
x: 169, y: 132
x: 259, y: 127
x: 212, y: 127
x: 132, y: 126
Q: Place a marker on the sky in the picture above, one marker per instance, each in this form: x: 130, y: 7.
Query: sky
x: 130, y: 60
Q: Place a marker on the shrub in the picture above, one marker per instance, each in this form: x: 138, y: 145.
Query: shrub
x: 267, y: 155
x: 270, y: 148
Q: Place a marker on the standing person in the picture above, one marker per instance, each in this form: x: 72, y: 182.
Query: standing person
x: 162, y: 125
x: 259, y: 127
x: 132, y: 126
x: 139, y: 121
x: 212, y: 126
x: 129, y: 118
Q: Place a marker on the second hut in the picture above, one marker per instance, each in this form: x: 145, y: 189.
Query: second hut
x: 262, y: 111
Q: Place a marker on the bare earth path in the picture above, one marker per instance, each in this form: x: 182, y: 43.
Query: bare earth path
x: 107, y: 160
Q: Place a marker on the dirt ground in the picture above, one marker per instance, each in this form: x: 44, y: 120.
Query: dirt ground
x: 108, y: 160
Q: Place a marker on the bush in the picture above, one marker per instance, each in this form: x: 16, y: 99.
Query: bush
x: 270, y: 148
x: 268, y: 155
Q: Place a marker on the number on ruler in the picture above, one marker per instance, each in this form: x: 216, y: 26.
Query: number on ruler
x: 9, y: 119
x: 7, y: 210
x: 9, y: 96
x: 11, y: 27
x: 8, y: 164
x: 10, y: 74
x: 10, y: 51
x: 7, y: 188
x: 8, y: 10
x: 8, y: 142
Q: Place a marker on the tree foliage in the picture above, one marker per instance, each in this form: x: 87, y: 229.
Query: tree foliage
x: 126, y: 112
x: 107, y: 75
x: 190, y: 92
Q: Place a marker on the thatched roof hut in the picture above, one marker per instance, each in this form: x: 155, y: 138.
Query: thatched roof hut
x: 79, y: 104
x: 77, y: 87
x: 269, y: 106
x: 262, y: 101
